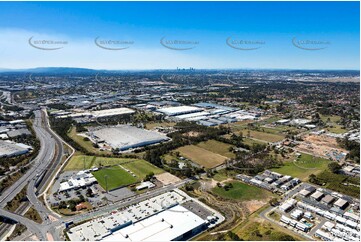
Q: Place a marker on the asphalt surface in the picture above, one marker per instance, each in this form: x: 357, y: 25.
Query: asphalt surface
x: 49, y: 157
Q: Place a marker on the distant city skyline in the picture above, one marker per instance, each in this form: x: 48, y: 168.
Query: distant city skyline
x: 210, y: 35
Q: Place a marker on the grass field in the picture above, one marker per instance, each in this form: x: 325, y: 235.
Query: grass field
x: 263, y: 231
x: 333, y: 119
x: 217, y: 147
x: 304, y: 166
x: 250, y: 142
x: 77, y: 162
x: 268, y: 137
x: 141, y: 168
x: 116, y: 177
x: 241, y: 191
x: 201, y: 156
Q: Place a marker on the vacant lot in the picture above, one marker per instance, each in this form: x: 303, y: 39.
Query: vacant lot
x: 81, y: 162
x: 241, y: 191
x: 340, y: 183
x: 304, y: 166
x: 202, y: 156
x: 268, y: 137
x: 264, y: 231
x: 332, y: 121
x: 157, y: 124
x: 217, y: 147
x: 113, y: 176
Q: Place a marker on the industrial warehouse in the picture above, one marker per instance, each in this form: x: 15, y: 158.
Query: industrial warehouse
x: 165, y: 217
x: 208, y: 114
x: 124, y: 137
x: 9, y: 148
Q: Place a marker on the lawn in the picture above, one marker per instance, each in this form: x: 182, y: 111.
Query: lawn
x: 201, y: 156
x: 141, y: 168
x: 304, y: 166
x: 217, y: 147
x: 116, y: 177
x: 242, y: 191
x: 77, y: 162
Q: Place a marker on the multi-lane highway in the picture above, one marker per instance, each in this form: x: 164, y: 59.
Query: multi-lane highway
x: 43, y: 166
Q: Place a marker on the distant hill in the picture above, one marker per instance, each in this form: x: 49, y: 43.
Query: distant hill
x: 55, y: 70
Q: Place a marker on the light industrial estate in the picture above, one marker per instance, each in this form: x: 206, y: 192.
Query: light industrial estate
x: 180, y: 155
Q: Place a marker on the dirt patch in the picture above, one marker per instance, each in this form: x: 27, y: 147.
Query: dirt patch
x: 254, y: 205
x: 167, y: 178
x: 192, y: 134
x: 322, y: 145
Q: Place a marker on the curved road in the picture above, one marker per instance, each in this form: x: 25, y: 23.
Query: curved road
x: 50, y: 154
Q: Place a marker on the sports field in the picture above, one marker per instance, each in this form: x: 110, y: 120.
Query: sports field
x: 304, y: 166
x: 81, y: 162
x: 242, y: 191
x: 141, y: 168
x: 202, y: 156
x: 114, y: 177
x: 217, y: 147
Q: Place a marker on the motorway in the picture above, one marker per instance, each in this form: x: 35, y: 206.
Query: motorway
x: 49, y: 157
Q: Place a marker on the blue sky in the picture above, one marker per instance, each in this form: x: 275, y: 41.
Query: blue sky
x: 333, y: 25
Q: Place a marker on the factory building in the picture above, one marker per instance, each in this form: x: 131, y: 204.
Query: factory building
x: 179, y: 110
x: 125, y: 137
x: 9, y: 149
x: 161, y: 218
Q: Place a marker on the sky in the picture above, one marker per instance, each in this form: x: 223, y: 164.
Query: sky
x: 167, y: 35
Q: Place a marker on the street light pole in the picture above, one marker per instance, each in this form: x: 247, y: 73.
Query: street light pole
x: 106, y: 182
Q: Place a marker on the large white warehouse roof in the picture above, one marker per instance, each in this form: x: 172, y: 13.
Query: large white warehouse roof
x: 171, y: 111
x: 126, y: 137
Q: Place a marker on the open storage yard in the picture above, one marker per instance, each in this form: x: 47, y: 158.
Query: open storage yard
x: 202, y: 156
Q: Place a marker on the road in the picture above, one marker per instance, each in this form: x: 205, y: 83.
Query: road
x: 49, y: 157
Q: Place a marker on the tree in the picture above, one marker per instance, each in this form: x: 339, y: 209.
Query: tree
x: 233, y: 236
x: 149, y: 176
x: 334, y: 167
x: 273, y: 201
x: 89, y: 192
